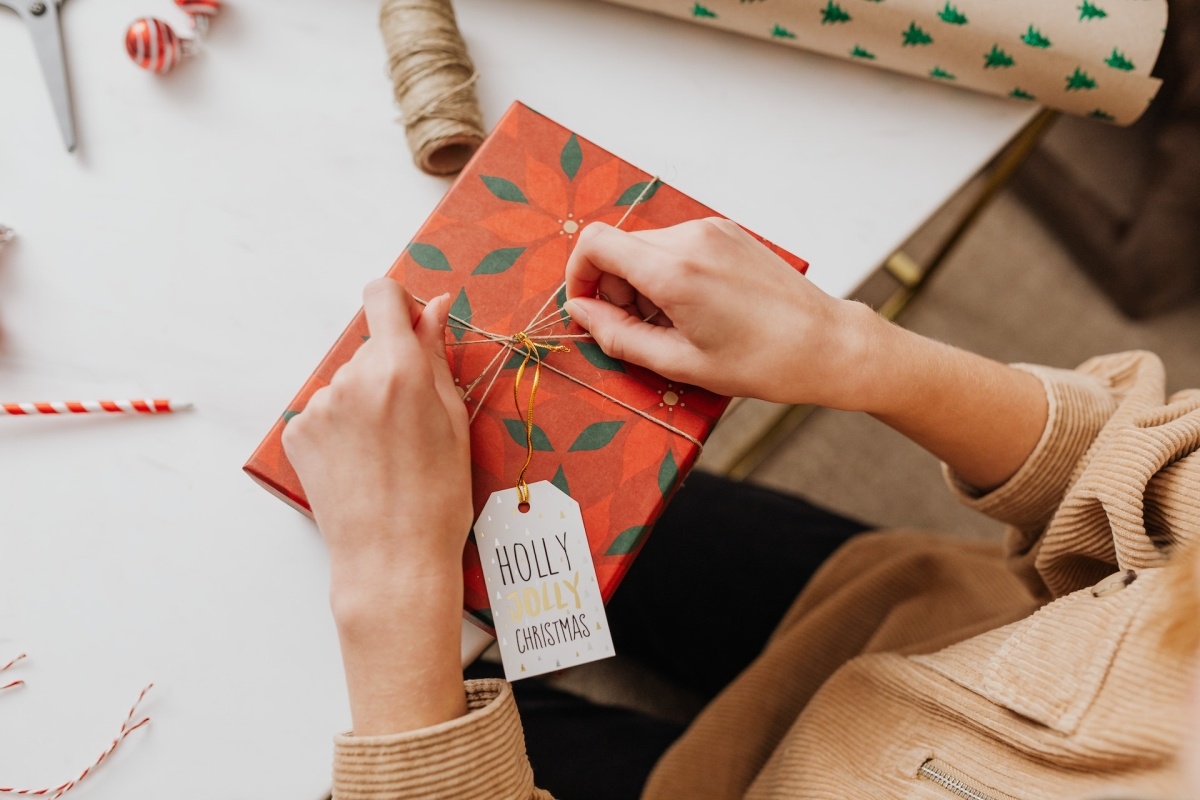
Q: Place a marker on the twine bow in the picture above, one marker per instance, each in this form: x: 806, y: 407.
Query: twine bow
x: 529, y: 342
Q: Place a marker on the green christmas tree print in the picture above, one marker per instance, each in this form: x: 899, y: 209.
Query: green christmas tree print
x: 700, y: 11
x: 1079, y: 80
x: 832, y: 12
x: 1021, y: 94
x: 1118, y: 61
x: 1100, y: 114
x: 1034, y: 38
x: 940, y: 74
x: 997, y: 58
x: 859, y: 52
x: 915, y: 36
x: 780, y: 32
x: 1091, y: 11
x: 952, y: 15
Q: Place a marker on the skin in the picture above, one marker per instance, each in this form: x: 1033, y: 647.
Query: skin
x: 383, y: 452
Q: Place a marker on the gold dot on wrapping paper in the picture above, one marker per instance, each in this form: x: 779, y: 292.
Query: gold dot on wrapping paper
x: 570, y: 226
x: 461, y: 391
x: 670, y: 398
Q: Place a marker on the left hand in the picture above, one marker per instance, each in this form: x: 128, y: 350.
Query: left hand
x: 383, y: 454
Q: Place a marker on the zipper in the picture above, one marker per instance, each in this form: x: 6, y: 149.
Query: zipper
x: 956, y: 782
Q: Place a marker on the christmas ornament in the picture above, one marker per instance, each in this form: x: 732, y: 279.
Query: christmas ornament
x: 154, y: 46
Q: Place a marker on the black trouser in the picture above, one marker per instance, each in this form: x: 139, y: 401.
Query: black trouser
x: 716, y: 575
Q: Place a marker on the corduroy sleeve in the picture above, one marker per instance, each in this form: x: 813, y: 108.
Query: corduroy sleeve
x: 1080, y: 403
x: 480, y: 756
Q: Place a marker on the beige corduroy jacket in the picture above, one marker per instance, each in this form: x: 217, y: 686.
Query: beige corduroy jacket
x: 917, y: 667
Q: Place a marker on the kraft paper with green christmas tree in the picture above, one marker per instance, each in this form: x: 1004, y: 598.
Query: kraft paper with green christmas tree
x: 1086, y: 57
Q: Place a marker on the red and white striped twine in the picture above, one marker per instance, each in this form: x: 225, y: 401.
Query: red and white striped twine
x: 5, y: 667
x: 156, y: 406
x: 127, y: 727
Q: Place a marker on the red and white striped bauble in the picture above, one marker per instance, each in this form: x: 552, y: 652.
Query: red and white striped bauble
x: 153, y: 45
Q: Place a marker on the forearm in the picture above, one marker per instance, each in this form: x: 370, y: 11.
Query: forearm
x: 400, y: 649
x: 980, y: 417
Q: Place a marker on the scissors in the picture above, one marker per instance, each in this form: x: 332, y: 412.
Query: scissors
x: 41, y: 18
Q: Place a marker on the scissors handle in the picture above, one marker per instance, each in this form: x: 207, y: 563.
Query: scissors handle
x: 41, y: 17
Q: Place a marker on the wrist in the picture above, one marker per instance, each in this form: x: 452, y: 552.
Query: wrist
x: 862, y: 353
x: 382, y: 597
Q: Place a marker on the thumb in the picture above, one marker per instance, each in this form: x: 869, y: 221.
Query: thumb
x: 625, y: 337
x: 431, y: 333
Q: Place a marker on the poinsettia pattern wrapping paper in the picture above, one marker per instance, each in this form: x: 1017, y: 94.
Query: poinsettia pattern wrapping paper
x: 617, y: 438
x: 1087, y: 57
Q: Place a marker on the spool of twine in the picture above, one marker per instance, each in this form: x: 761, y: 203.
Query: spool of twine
x: 434, y: 83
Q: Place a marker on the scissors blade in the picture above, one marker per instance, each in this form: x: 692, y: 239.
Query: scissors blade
x: 47, y: 41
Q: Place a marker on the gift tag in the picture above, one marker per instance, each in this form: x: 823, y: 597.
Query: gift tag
x: 546, y: 604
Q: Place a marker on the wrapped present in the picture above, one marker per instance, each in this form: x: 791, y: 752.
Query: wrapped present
x: 615, y: 437
x: 1088, y: 57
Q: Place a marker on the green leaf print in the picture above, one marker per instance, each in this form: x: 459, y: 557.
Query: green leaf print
x: 516, y: 429
x: 916, y: 36
x: 630, y: 195
x: 1100, y: 114
x: 1079, y: 80
x: 1091, y: 11
x: 460, y: 309
x: 1021, y: 94
x: 700, y: 11
x: 997, y: 58
x: 780, y: 32
x: 667, y: 472
x: 595, y: 436
x: 571, y: 157
x: 498, y: 261
x: 831, y: 13
x: 429, y: 257
x: 952, y: 15
x: 1118, y: 61
x: 288, y: 415
x: 598, y: 358
x: 560, y: 480
x: 859, y: 52
x: 628, y: 539
x: 940, y: 74
x: 1034, y: 38
x: 504, y: 189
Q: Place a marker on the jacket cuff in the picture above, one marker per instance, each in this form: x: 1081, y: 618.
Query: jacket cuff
x: 1079, y: 405
x: 480, y: 756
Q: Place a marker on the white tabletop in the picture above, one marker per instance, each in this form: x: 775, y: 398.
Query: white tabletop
x: 208, y: 241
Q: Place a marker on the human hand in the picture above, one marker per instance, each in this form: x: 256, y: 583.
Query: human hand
x: 383, y: 454
x: 706, y: 303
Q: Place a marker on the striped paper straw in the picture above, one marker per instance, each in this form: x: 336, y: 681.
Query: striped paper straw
x: 94, y: 407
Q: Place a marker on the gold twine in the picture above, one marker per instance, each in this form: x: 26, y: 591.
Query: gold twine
x: 434, y: 82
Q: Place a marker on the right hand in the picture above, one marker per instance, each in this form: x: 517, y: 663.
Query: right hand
x: 706, y: 303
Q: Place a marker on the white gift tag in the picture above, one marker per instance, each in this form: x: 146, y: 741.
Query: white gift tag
x: 541, y: 582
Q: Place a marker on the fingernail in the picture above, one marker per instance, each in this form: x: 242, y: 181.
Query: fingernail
x: 444, y: 309
x: 576, y: 312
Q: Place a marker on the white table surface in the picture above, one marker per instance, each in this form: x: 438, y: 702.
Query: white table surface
x: 209, y: 240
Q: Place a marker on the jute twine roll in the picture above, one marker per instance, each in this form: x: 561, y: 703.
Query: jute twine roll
x: 435, y: 83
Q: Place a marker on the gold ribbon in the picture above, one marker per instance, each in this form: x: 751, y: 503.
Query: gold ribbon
x: 531, y: 352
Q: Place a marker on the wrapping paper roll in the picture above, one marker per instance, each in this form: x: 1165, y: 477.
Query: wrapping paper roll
x: 1086, y: 57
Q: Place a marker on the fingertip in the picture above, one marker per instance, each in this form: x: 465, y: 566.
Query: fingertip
x: 577, y: 312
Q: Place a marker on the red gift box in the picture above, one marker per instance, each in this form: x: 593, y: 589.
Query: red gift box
x: 617, y: 438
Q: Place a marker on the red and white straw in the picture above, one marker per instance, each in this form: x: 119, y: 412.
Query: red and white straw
x: 158, y: 406
x: 127, y: 727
